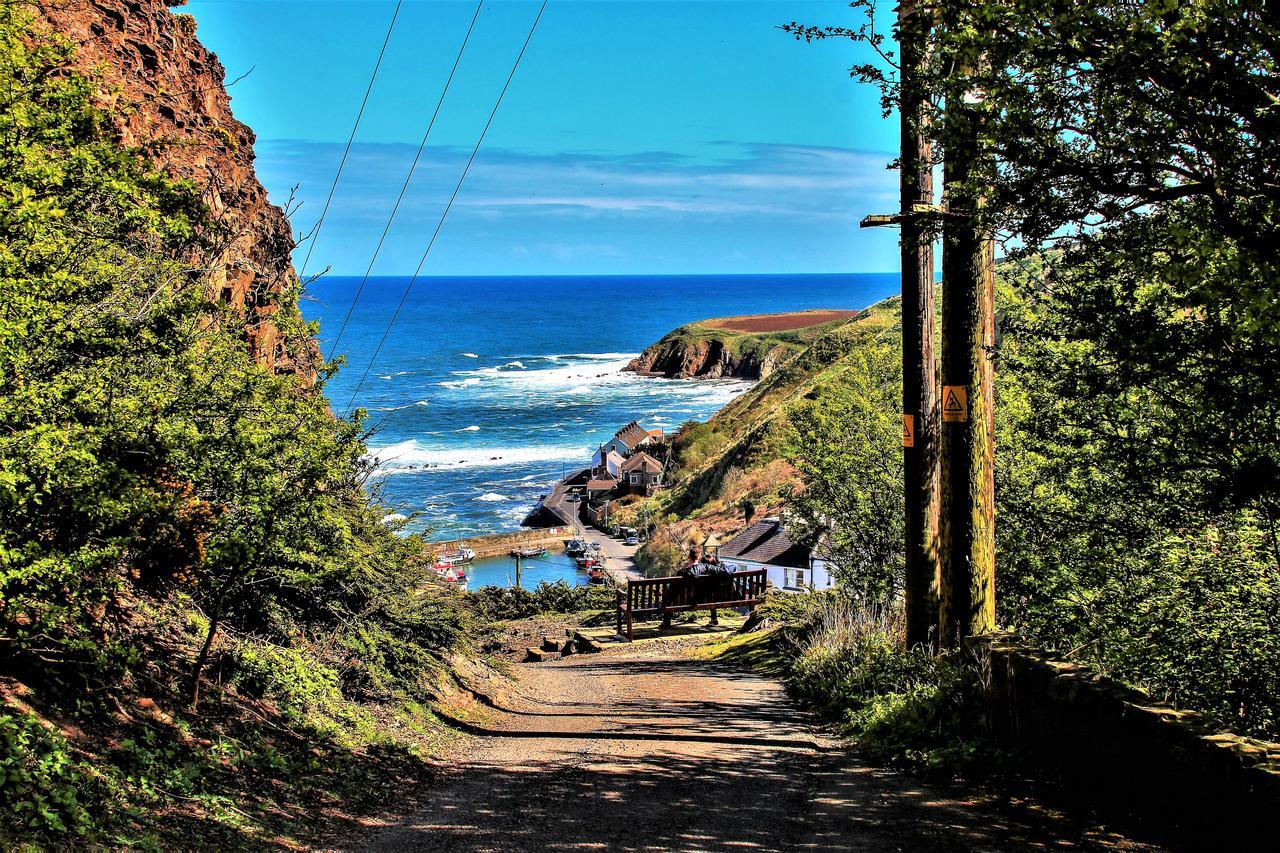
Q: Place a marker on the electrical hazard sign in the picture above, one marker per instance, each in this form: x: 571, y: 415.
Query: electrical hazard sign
x: 955, y: 403
x: 908, y: 430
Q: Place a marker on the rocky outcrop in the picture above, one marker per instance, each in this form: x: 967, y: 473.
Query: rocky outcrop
x: 679, y: 356
x: 164, y: 94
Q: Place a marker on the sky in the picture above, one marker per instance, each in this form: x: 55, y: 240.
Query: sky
x: 636, y: 137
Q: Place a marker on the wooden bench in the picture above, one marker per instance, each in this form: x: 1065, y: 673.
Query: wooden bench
x: 664, y: 596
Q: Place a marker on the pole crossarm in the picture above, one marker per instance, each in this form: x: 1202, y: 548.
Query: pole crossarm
x: 918, y: 212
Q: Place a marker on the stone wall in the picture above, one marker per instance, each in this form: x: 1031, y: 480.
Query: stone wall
x: 500, y: 543
x: 1129, y: 752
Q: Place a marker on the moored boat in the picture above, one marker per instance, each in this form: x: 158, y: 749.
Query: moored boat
x: 459, y: 555
x: 574, y: 547
x: 530, y: 551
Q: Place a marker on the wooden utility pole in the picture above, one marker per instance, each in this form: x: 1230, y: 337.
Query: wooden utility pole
x: 517, y: 569
x: 967, y: 589
x: 919, y: 368
x: 919, y: 418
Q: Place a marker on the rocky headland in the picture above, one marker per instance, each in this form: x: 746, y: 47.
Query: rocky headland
x: 749, y: 347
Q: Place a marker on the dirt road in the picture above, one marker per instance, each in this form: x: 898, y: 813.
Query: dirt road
x: 652, y: 750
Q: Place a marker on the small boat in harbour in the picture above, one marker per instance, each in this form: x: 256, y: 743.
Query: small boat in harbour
x: 531, y: 551
x: 574, y: 547
x: 460, y: 555
x: 450, y: 573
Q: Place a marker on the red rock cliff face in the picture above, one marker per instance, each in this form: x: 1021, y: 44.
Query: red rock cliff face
x: 165, y: 94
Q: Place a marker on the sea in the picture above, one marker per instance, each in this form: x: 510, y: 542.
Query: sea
x: 487, y: 390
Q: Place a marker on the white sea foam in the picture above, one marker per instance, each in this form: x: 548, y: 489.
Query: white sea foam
x: 581, y: 389
x: 472, y: 428
x: 492, y: 496
x: 519, y: 365
x: 460, y: 383
x: 393, y: 517
x: 468, y: 355
x: 423, y: 403
x: 407, y: 457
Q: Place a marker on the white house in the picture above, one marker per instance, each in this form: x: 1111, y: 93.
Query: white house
x: 630, y: 437
x: 765, y: 545
x: 606, y: 461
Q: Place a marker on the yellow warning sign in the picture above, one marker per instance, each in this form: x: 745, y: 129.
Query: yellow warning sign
x: 908, y: 430
x: 955, y: 403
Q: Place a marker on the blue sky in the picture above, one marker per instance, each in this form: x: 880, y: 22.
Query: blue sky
x: 637, y: 137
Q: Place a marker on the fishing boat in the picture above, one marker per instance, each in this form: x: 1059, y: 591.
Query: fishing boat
x: 449, y: 572
x: 596, y: 574
x: 574, y: 547
x: 530, y: 551
x: 587, y: 562
x: 459, y: 555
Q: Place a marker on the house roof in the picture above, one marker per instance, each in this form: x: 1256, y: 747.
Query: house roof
x: 632, y: 435
x: 602, y: 484
x: 642, y: 461
x: 766, y: 542
x: 656, y: 432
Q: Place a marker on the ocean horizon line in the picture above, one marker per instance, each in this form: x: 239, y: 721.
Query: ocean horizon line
x: 611, y: 275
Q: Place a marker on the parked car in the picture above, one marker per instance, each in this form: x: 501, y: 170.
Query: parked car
x: 632, y: 540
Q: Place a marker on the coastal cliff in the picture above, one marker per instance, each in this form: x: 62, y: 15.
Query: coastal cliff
x: 749, y: 347
x: 165, y: 96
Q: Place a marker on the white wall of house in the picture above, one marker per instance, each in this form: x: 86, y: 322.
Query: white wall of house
x: 820, y: 573
x: 786, y: 578
x: 611, y: 462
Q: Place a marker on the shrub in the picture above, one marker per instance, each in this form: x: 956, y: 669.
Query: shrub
x: 40, y: 780
x: 297, y: 683
x: 908, y: 707
x: 509, y: 603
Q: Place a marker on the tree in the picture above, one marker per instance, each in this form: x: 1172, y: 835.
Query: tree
x: 846, y: 442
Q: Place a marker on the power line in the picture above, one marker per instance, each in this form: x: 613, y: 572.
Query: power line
x: 448, y: 206
x: 404, y: 187
x: 315, y: 235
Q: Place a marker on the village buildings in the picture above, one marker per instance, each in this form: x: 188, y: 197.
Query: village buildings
x: 790, y: 566
x: 624, y: 467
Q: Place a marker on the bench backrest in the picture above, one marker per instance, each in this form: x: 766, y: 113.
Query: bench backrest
x: 686, y: 593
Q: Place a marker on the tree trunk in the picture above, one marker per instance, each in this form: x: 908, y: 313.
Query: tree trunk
x: 201, y: 659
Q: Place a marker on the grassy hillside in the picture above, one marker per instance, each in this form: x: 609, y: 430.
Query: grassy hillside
x: 738, y: 459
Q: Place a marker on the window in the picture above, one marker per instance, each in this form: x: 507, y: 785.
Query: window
x: 635, y: 479
x: 793, y: 578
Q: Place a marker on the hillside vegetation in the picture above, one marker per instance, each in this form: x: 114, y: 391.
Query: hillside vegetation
x: 1142, y: 570
x: 742, y: 457
x: 207, y: 635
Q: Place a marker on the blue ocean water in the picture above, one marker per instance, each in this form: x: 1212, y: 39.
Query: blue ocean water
x: 488, y: 389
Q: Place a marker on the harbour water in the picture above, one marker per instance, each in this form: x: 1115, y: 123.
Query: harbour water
x: 487, y: 390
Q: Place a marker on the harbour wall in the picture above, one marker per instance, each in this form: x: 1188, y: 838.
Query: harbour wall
x: 496, y: 544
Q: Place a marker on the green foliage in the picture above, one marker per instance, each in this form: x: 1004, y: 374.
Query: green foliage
x: 146, y: 458
x: 292, y: 679
x: 846, y: 441
x: 40, y: 779
x: 910, y: 708
x: 498, y: 603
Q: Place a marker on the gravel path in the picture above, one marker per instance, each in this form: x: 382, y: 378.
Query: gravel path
x: 649, y: 749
